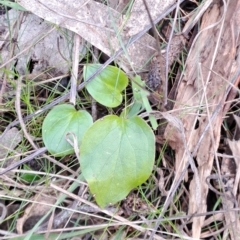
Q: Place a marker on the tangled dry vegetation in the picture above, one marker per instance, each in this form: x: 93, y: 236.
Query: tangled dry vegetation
x: 193, y: 191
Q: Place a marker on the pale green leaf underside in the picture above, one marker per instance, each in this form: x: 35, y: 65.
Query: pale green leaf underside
x: 116, y: 156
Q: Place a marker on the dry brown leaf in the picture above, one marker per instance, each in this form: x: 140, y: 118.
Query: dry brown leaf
x: 202, y: 88
x: 52, y: 52
x: 8, y: 142
x: 102, y: 26
x: 161, y: 183
x: 42, y: 204
x: 139, y: 19
x: 119, y: 5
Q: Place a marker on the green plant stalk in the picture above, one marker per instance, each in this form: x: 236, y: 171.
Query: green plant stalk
x: 148, y: 108
x: 140, y: 96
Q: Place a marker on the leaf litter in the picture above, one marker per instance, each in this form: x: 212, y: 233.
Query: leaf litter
x: 201, y: 131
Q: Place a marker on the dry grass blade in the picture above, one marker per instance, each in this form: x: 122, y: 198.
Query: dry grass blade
x: 74, y: 77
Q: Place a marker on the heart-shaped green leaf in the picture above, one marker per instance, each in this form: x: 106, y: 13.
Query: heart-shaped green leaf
x: 116, y: 156
x: 61, y: 120
x: 106, y: 87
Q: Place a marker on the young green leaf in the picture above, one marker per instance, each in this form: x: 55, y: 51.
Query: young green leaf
x: 117, y: 155
x: 61, y: 120
x: 106, y: 87
x: 29, y: 177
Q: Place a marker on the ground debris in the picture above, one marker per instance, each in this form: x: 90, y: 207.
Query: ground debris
x: 202, y: 122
